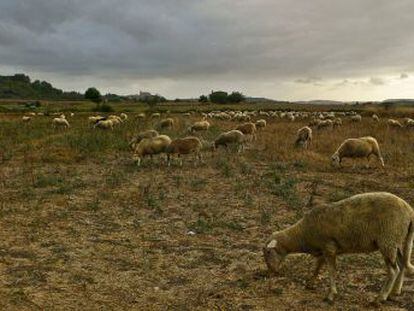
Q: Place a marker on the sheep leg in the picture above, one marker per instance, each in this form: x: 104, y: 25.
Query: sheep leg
x: 320, y: 261
x: 330, y: 259
x: 396, y: 290
x: 392, y: 273
x: 168, y: 160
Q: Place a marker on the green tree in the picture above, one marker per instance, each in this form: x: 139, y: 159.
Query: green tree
x: 203, y: 99
x: 235, y: 97
x: 218, y: 97
x: 94, y: 95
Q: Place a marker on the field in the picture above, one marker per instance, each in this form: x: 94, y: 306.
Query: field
x: 84, y: 228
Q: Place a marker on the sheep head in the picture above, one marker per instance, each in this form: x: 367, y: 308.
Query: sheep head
x: 273, y: 256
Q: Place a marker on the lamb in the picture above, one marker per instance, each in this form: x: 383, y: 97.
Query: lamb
x: 248, y: 128
x: 184, y: 145
x: 104, y: 124
x: 260, y: 123
x: 229, y: 138
x: 361, y: 147
x: 151, y: 146
x: 394, y: 123
x: 304, y: 137
x: 60, y: 122
x: 199, y: 126
x: 364, y: 223
x: 26, y: 118
x: 166, y: 123
x: 145, y: 134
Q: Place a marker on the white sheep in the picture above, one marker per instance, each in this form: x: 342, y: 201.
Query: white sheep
x: 362, y: 147
x: 123, y: 116
x: 304, y: 137
x: 260, y: 123
x: 248, y: 128
x: 151, y: 146
x: 233, y: 137
x: 186, y: 145
x: 26, y: 118
x: 394, y: 123
x: 145, y: 134
x: 104, y: 124
x: 199, y: 126
x: 375, y: 118
x: 60, y: 122
x: 356, y: 118
x: 363, y: 223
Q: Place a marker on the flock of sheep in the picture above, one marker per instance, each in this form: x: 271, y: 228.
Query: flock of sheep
x: 366, y: 222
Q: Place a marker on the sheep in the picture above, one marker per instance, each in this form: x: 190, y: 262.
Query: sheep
x: 184, y: 145
x: 155, y: 115
x: 140, y: 115
x: 94, y: 119
x: 375, y: 117
x: 71, y: 114
x: 166, y: 123
x: 363, y: 223
x: 325, y: 124
x: 394, y: 123
x: 409, y: 122
x: 60, y: 122
x: 150, y: 146
x: 260, y: 123
x: 248, y: 128
x: 141, y: 136
x: 304, y: 137
x: 199, y: 126
x: 104, y: 124
x: 356, y: 118
x: 26, y: 119
x: 231, y: 137
x: 361, y: 147
x: 337, y: 122
x: 123, y: 116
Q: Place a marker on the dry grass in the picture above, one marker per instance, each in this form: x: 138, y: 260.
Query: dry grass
x: 83, y: 228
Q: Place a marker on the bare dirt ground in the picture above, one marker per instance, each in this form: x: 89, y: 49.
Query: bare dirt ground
x: 83, y: 228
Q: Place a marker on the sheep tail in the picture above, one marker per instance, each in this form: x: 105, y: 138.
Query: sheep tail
x: 408, y: 248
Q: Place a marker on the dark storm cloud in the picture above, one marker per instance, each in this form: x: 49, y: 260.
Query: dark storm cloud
x: 205, y: 40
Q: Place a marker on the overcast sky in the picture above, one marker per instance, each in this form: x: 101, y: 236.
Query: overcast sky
x: 281, y: 49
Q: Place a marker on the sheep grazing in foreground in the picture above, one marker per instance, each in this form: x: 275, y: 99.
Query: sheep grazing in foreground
x: 145, y: 134
x: 104, y: 124
x: 26, y: 118
x: 199, y: 126
x: 186, y: 145
x: 394, y: 123
x: 363, y: 223
x: 362, y: 147
x: 248, y: 128
x: 151, y: 146
x: 123, y: 116
x: 60, y: 122
x: 233, y: 137
x: 356, y: 118
x: 375, y: 118
x: 260, y: 123
x: 304, y: 137
x: 166, y: 123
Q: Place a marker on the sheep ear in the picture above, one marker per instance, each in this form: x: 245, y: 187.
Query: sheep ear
x: 272, y: 244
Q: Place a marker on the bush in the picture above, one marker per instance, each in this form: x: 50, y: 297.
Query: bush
x: 235, y: 97
x: 103, y: 108
x: 203, y: 99
x: 218, y: 97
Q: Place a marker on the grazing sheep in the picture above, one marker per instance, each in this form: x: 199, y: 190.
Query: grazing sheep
x: 140, y: 115
x: 166, y: 123
x: 94, y: 119
x: 363, y: 223
x: 60, y: 122
x: 235, y: 137
x: 156, y: 115
x: 337, y: 122
x: 184, y: 145
x: 123, y: 116
x: 260, y: 123
x: 409, y: 122
x: 26, y: 118
x: 150, y: 146
x: 199, y: 126
x: 356, y: 118
x: 104, y: 124
x: 375, y: 118
x: 394, y: 123
x: 361, y: 147
x: 304, y: 137
x: 248, y: 128
x: 141, y: 136
x: 325, y: 124
x: 71, y: 114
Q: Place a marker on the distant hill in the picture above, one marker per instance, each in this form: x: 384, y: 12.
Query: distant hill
x: 19, y: 86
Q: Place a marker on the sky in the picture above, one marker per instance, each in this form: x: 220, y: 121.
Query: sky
x: 280, y: 49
